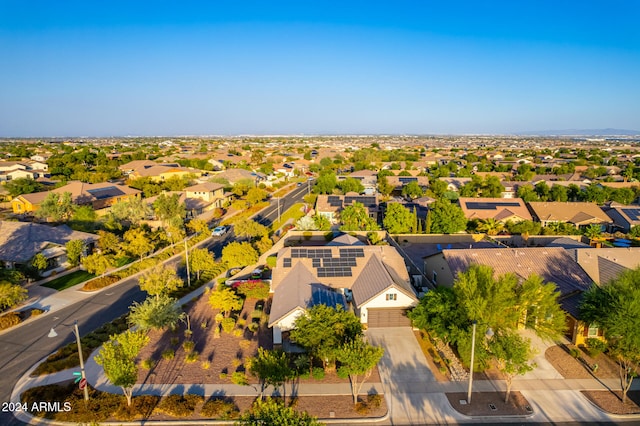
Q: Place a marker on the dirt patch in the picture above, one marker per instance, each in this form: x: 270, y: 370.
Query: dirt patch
x: 483, y: 404
x: 611, y: 401
x: 582, y: 368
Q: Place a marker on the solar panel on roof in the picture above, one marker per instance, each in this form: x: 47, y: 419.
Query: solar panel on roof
x: 347, y: 261
x: 352, y: 252
x: 406, y: 179
x: 338, y: 271
x: 634, y: 214
x: 477, y: 205
x: 315, y: 263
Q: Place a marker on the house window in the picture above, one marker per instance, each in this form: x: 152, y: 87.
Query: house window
x: 593, y: 330
x: 434, y: 277
x: 392, y: 296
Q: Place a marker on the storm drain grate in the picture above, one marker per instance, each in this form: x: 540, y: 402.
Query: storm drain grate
x: 529, y: 409
x: 493, y: 407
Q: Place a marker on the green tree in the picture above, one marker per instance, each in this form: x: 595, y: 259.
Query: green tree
x: 256, y: 195
x: 351, y: 185
x: 492, y: 187
x: 438, y: 187
x: 558, y: 193
x: 39, y: 262
x: 117, y: 358
x: 614, y: 307
x: 168, y: 208
x: 200, y: 259
x: 74, y: 251
x: 524, y: 227
x: 137, y: 243
x: 322, y: 223
x: 397, y: 219
x: 108, y: 242
x: 271, y: 368
x: 21, y: 186
x: 537, y: 304
x: 357, y: 360
x: 160, y: 281
x: 447, y: 218
x: 356, y: 218
x: 56, y: 207
x: 270, y: 412
x: 439, y: 313
x: 306, y: 223
x: 250, y: 228
x: 198, y: 226
x: 490, y: 226
x: 324, y: 329
x: 133, y: 210
x: 11, y: 294
x: 155, y: 313
x: 384, y: 187
x: 513, y: 356
x: 325, y: 184
x: 226, y: 300
x: 239, y: 254
x: 97, y: 263
x: 593, y: 232
x: 527, y: 193
x: 412, y: 190
x: 263, y: 244
x: 635, y: 231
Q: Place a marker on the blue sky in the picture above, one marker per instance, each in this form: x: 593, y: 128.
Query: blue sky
x: 99, y: 68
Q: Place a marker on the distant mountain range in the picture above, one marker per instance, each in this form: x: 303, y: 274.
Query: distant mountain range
x: 583, y: 132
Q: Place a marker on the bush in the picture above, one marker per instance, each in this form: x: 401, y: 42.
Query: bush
x: 238, y: 332
x: 174, y: 341
x: 168, y: 354
x: 148, y: 363
x: 9, y: 320
x: 595, y: 347
x: 574, y: 352
x: 179, y: 405
x: 253, y: 327
x: 271, y: 261
x: 100, y: 282
x: 188, y: 346
x: 220, y: 409
x: 361, y: 408
x: 192, y: 357
x: 318, y: 373
x: 239, y: 378
x: 374, y: 400
x: 36, y: 312
x: 219, y: 317
x: 253, y: 289
x: 142, y: 407
x: 228, y: 324
x: 205, y: 365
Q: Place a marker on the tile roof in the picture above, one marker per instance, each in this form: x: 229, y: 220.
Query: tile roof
x: 605, y: 264
x: 500, y: 209
x: 376, y: 278
x: 552, y: 264
x: 20, y: 241
x: 574, y: 212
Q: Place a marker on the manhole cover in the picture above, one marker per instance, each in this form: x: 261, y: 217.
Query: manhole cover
x: 493, y: 407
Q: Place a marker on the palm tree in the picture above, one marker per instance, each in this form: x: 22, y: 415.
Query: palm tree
x: 593, y: 232
x: 490, y: 226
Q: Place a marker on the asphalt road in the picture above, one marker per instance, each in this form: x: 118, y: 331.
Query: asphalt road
x: 24, y: 346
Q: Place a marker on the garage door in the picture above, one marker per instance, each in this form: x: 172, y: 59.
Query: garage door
x: 388, y: 317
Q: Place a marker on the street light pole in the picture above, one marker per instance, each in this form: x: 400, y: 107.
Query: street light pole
x: 83, y: 375
x: 473, y: 350
x: 186, y: 252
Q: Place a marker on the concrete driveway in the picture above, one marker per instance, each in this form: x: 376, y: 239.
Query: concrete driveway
x: 405, y: 376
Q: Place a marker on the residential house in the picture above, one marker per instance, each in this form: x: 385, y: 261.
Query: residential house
x: 578, y: 214
x: 399, y: 182
x: 97, y: 195
x: 373, y: 279
x: 21, y: 241
x: 500, y: 209
x: 624, y: 217
x: 368, y: 179
x: 163, y: 172
x: 234, y: 176
x: 455, y: 183
x: 552, y: 264
x: 210, y: 192
x: 331, y: 205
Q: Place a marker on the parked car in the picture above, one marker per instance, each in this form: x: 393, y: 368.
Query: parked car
x: 256, y: 273
x: 218, y: 231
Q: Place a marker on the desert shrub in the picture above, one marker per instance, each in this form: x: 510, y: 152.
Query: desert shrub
x: 239, y: 378
x: 271, y: 261
x: 188, y: 346
x: 228, y: 324
x: 374, y: 400
x: 203, y: 325
x: 254, y: 289
x: 236, y: 362
x: 361, y: 408
x: 253, y: 327
x: 574, y: 352
x: 192, y: 357
x: 174, y: 341
x: 256, y: 314
x: 219, y: 317
x: 241, y: 323
x: 318, y: 373
x: 222, y: 376
x: 595, y: 347
x: 238, y: 332
x: 9, y: 320
x: 36, y: 312
x: 100, y: 282
x: 205, y: 365
x: 168, y: 354
x: 220, y: 409
x: 179, y: 405
x: 148, y: 363
x: 142, y: 407
x: 244, y: 344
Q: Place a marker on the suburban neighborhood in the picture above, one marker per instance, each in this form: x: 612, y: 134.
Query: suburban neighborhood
x: 392, y: 280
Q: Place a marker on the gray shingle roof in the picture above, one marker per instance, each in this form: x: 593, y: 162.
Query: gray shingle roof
x: 376, y: 278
